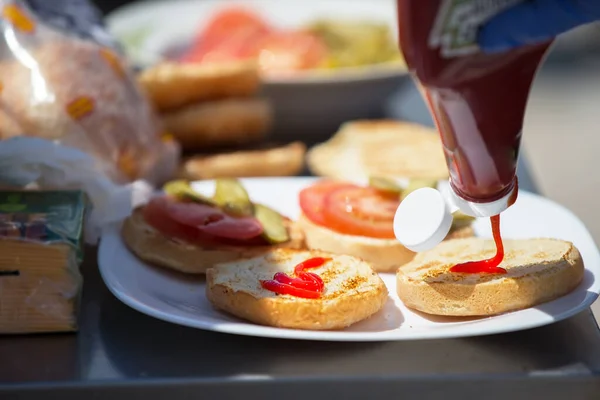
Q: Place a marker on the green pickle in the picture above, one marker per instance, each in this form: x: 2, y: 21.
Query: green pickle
x: 385, y: 185
x: 415, y: 184
x: 461, y: 220
x: 182, y: 190
x: 274, y: 230
x: 231, y: 196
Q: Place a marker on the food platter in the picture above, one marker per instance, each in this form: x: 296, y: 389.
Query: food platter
x: 146, y: 29
x: 181, y: 300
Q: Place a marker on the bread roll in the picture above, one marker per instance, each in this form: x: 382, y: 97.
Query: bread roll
x: 151, y: 246
x: 384, y: 255
x: 382, y: 148
x: 353, y: 291
x: 538, y: 270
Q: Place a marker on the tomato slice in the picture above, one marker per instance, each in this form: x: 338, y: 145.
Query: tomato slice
x: 231, y: 19
x: 312, y: 199
x: 236, y: 46
x: 360, y: 211
x: 229, y: 36
x: 288, y: 51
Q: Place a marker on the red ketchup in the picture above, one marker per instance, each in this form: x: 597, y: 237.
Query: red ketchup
x: 491, y: 265
x: 306, y: 284
x: 477, y: 100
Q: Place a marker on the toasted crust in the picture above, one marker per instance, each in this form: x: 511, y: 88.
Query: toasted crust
x: 353, y: 291
x: 219, y: 123
x: 384, y: 255
x: 153, y: 247
x: 286, y: 160
x: 538, y: 270
x: 382, y: 148
x: 173, y: 85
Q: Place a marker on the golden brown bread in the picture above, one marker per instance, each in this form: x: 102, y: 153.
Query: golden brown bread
x: 220, y: 123
x: 287, y: 160
x: 353, y: 291
x: 538, y: 270
x: 151, y: 246
x: 382, y: 148
x: 173, y: 85
x: 384, y: 255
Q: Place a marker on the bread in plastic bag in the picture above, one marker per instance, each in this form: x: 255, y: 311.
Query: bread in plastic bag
x: 56, y: 85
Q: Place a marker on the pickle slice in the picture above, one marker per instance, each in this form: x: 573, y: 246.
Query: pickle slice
x: 232, y: 197
x: 385, y: 185
x: 182, y: 190
x: 460, y: 220
x: 274, y: 230
x: 415, y: 184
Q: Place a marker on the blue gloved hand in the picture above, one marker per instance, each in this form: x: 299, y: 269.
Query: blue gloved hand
x: 534, y: 21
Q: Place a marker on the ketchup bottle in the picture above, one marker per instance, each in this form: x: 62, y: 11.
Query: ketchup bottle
x: 477, y: 100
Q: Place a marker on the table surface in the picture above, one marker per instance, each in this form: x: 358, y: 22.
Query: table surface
x: 122, y: 354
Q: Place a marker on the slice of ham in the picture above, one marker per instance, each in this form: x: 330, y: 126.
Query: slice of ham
x: 198, y: 222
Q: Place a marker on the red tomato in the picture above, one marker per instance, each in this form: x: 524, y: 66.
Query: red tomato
x: 228, y: 37
x: 289, y: 51
x: 236, y: 46
x: 232, y: 19
x: 312, y: 198
x: 361, y: 212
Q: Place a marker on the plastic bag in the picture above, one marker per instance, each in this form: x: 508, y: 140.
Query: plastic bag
x: 58, y: 85
x: 40, y: 252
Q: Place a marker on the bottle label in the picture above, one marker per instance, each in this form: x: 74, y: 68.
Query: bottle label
x: 458, y: 21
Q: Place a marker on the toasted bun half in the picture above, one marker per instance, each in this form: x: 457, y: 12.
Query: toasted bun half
x: 538, y: 270
x: 219, y: 123
x: 384, y: 255
x: 353, y: 291
x: 153, y: 247
x: 173, y: 85
x: 383, y: 148
x: 287, y: 160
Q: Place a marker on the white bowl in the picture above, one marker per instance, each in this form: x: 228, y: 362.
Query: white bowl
x: 308, y: 105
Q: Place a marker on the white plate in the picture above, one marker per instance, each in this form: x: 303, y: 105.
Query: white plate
x: 153, y: 23
x: 181, y: 301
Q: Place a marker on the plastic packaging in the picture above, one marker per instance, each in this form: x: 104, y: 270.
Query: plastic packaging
x: 41, y: 249
x: 57, y: 85
x: 42, y: 231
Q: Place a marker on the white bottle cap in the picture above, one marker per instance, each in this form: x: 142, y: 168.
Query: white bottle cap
x: 422, y: 220
x: 424, y: 217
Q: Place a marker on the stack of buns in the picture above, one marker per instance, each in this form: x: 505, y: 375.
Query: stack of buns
x: 216, y: 113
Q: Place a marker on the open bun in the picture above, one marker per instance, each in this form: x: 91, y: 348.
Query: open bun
x: 286, y: 160
x: 173, y: 85
x: 382, y: 148
x: 225, y: 122
x: 353, y: 291
x: 384, y: 255
x: 153, y: 247
x: 538, y: 270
